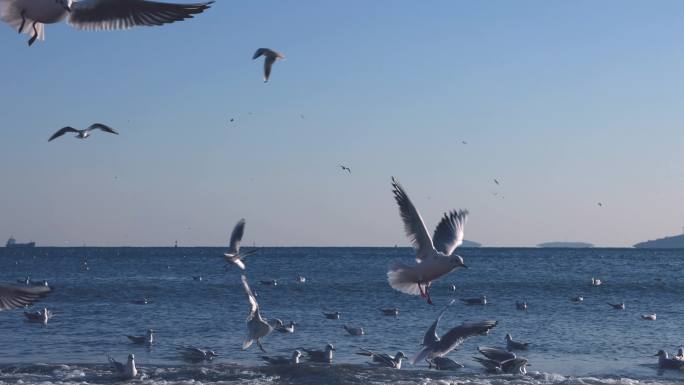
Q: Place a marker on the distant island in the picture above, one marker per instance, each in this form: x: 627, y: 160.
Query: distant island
x: 467, y: 243
x: 566, y: 245
x: 673, y: 242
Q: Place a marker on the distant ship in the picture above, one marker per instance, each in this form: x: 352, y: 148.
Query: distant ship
x: 11, y: 242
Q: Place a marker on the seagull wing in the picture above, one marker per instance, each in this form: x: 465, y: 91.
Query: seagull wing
x: 62, y: 132
x: 449, y: 232
x: 268, y: 64
x: 495, y: 354
x: 12, y: 297
x: 431, y: 336
x: 259, y: 52
x: 254, y: 306
x: 100, y: 126
x: 124, y: 14
x: 459, y: 334
x: 413, y: 223
x: 116, y: 365
x: 236, y: 237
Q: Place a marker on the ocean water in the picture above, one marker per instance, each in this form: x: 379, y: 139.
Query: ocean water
x: 588, y: 343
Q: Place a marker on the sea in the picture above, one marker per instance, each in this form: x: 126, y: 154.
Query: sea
x: 95, y: 290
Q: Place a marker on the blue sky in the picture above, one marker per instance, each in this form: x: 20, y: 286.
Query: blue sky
x: 566, y: 103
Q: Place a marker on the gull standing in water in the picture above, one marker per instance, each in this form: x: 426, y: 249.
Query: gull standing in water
x: 435, y: 346
x: 233, y: 254
x: 30, y: 16
x: 649, y: 317
x: 521, y: 305
x: 384, y: 359
x: 294, y: 360
x: 335, y: 315
x: 270, y: 57
x: 501, y: 361
x: 82, y: 134
x: 354, y: 331
x: 193, y: 354
x: 42, y: 316
x: 325, y: 356
x: 432, y: 254
x: 617, y: 306
x: 126, y: 371
x: 257, y: 327
x: 147, y: 339
x: 511, y: 344
x: 12, y: 297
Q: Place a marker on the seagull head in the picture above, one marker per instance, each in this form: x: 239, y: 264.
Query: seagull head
x: 329, y: 348
x: 661, y: 353
x: 211, y: 354
x: 296, y: 354
x: 508, y: 337
x: 400, y: 355
x: 131, y: 357
x: 457, y: 261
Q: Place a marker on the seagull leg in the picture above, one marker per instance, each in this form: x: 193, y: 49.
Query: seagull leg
x: 23, y: 21
x: 427, y: 294
x: 35, y: 34
x: 422, y: 293
x: 258, y: 341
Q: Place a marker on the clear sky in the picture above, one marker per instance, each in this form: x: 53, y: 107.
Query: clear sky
x: 566, y: 103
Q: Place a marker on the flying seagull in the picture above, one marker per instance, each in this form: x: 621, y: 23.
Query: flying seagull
x: 233, y: 254
x: 257, y: 327
x: 345, y: 168
x: 82, y: 134
x: 432, y: 254
x: 270, y: 58
x: 30, y: 16
x: 14, y: 297
x: 435, y: 346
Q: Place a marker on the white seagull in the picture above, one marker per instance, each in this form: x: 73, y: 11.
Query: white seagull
x: 354, y: 331
x: 294, y: 360
x: 147, y: 339
x: 194, y: 354
x: 257, y: 327
x: 13, y: 297
x: 384, y: 359
x: 233, y: 254
x: 42, y: 316
x: 82, y: 134
x: 432, y: 254
x: 270, y: 58
x: 126, y: 371
x: 30, y: 16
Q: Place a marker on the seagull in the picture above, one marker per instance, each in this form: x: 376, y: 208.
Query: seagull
x: 521, y: 305
x: 193, y: 354
x: 197, y: 278
x: 42, y: 316
x: 577, y: 299
x: 384, y: 359
x: 335, y: 315
x: 80, y: 134
x: 665, y: 362
x: 13, y: 297
x: 321, y: 356
x: 270, y: 57
x: 294, y: 360
x: 680, y: 354
x: 600, y: 204
x: 432, y: 254
x: 444, y: 363
x: 126, y: 371
x: 345, y: 168
x: 257, y: 327
x: 515, y: 345
x: 434, y: 346
x: 390, y: 311
x: 596, y: 282
x: 290, y: 328
x: 475, y: 301
x: 464, y: 142
x: 649, y: 317
x: 272, y: 282
x: 301, y: 279
x: 233, y: 254
x: 30, y: 16
x: 501, y: 361
x: 147, y: 339
x: 497, y: 182
x: 452, y: 287
x: 354, y: 331
x: 143, y: 301
x: 618, y: 306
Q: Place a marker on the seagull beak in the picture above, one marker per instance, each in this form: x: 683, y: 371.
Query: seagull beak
x: 464, y: 266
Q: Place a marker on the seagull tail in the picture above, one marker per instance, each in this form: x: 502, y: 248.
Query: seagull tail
x: 402, y: 278
x: 421, y: 355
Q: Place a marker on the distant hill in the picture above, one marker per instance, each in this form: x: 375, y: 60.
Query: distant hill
x: 673, y: 242
x: 566, y: 245
x: 467, y: 243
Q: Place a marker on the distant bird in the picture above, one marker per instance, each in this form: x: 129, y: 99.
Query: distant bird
x: 142, y: 301
x: 617, y: 306
x: 321, y: 355
x: 511, y: 344
x: 232, y: 120
x: 25, y: 281
x: 600, y: 204
x: 649, y: 317
x: 435, y: 346
x: 82, y: 134
x: 434, y: 255
x: 257, y: 327
x: 521, y: 305
x: 233, y: 254
x: 501, y: 361
x: 42, y: 316
x: 665, y: 362
x: 300, y: 279
x: 294, y: 360
x: 29, y: 17
x: 577, y: 299
x: 270, y: 282
x: 335, y: 315
x: 125, y: 371
x: 596, y: 282
x: 197, y: 278
x: 390, y: 311
x: 444, y: 363
x: 452, y: 287
x: 13, y: 297
x: 354, y: 331
x: 147, y: 339
x: 497, y: 182
x: 194, y: 354
x: 270, y: 57
x: 384, y: 359
x: 464, y: 142
x: 475, y: 301
x: 345, y: 168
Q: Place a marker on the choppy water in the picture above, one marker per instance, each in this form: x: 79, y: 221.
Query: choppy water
x: 588, y: 343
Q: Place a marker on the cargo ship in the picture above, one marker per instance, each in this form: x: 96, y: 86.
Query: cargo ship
x: 13, y: 243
